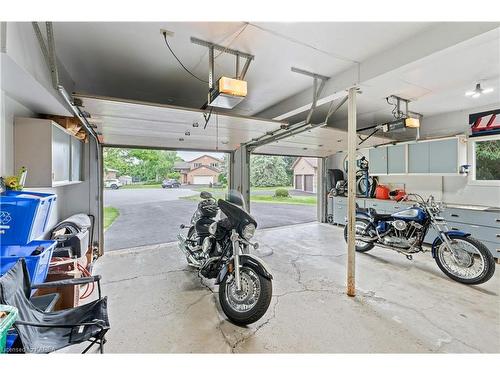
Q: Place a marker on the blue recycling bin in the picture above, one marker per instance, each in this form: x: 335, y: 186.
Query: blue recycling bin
x: 23, y: 216
x: 37, y: 255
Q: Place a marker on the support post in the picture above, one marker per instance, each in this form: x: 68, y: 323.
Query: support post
x: 351, y: 191
x: 321, y: 191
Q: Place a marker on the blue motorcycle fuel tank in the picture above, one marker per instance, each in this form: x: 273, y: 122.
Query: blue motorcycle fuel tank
x: 411, y: 213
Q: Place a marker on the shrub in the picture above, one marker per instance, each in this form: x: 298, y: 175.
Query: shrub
x: 281, y: 193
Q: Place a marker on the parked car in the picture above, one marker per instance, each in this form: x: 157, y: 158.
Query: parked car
x: 170, y: 184
x: 112, y: 184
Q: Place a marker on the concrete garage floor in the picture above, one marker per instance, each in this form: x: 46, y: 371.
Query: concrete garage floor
x: 158, y: 304
x: 151, y: 216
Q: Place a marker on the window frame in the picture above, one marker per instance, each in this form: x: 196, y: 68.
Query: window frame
x: 472, y: 158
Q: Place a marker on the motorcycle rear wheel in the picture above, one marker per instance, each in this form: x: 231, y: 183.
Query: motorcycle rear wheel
x: 361, y: 247
x: 251, y: 303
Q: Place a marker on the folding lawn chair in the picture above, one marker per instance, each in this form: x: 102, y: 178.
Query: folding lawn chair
x: 45, y: 332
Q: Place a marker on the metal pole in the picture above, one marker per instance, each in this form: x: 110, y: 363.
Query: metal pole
x: 211, y: 67
x: 351, y: 191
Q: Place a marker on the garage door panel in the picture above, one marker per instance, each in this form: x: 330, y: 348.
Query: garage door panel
x: 203, y: 180
x: 308, y: 182
x: 298, y: 181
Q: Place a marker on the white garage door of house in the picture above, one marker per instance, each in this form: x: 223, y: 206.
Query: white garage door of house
x: 203, y: 180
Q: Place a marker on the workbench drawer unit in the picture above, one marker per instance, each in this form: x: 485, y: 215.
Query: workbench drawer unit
x: 475, y: 217
x: 339, y: 208
x: 482, y: 225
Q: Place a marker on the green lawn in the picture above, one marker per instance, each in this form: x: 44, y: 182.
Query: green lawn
x: 265, y: 188
x: 308, y: 200
x: 110, y: 215
x: 141, y: 186
x: 271, y: 188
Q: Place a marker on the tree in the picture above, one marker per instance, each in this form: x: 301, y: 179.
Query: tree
x: 268, y: 171
x: 223, y: 170
x: 488, y: 160
x: 174, y: 176
x: 289, y: 160
x: 146, y: 165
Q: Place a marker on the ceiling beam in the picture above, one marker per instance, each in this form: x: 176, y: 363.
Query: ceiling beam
x: 426, y: 43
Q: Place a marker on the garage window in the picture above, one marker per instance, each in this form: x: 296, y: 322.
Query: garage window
x: 486, y: 160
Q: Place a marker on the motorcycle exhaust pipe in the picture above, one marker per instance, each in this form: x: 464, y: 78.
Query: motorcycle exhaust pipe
x: 183, y: 247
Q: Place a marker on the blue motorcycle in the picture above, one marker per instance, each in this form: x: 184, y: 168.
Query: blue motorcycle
x: 460, y: 256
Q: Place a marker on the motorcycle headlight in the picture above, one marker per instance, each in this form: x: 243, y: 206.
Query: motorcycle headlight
x: 248, y: 231
x: 212, y: 228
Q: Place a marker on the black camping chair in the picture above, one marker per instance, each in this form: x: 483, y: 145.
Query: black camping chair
x: 45, y: 332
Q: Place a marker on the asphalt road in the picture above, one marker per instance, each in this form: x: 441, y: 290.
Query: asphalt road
x: 151, y: 216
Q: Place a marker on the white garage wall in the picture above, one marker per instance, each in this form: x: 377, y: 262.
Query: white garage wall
x: 26, y: 90
x: 451, y: 189
x: 9, y: 109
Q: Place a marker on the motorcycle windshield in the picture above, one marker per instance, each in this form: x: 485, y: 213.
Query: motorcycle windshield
x: 235, y: 209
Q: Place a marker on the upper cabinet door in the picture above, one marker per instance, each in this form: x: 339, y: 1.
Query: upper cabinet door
x: 378, y: 160
x: 61, y: 149
x: 444, y: 156
x: 396, y: 159
x: 418, y: 157
x: 76, y: 159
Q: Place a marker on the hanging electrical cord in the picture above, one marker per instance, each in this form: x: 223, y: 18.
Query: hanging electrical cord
x: 89, y: 288
x: 207, y: 117
x: 180, y: 62
x: 368, y: 136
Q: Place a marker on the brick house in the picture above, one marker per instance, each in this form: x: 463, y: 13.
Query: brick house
x: 305, y: 171
x: 204, y: 170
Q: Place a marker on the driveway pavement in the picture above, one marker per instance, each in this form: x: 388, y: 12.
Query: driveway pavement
x: 152, y: 216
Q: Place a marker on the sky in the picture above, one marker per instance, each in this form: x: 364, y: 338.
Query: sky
x: 190, y: 155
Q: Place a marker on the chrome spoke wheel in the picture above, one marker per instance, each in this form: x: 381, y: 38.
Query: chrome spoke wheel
x: 246, y: 298
x: 360, y: 228
x: 464, y: 260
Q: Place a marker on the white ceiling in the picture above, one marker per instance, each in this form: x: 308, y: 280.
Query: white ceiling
x: 130, y: 60
x: 436, y: 84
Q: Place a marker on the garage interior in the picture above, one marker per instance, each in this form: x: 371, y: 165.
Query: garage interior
x: 310, y: 94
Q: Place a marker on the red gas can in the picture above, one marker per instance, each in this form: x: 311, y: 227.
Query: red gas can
x: 382, y: 192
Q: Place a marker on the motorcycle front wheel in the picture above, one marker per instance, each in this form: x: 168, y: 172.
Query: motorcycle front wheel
x: 469, y: 263
x: 250, y: 303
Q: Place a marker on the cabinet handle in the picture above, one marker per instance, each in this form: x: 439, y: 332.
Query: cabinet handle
x: 497, y: 220
x: 498, y: 235
x: 454, y: 228
x: 454, y: 215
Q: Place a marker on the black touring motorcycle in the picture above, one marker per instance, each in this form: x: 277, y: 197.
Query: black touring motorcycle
x: 218, y: 245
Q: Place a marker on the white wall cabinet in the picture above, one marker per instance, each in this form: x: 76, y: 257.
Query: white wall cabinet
x: 52, y: 156
x: 435, y: 157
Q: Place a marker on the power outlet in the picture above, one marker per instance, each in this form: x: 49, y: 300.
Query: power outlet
x: 167, y: 32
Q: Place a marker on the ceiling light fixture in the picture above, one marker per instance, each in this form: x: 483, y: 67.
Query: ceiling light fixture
x: 478, y: 91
